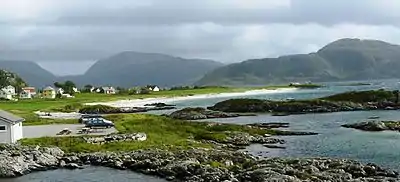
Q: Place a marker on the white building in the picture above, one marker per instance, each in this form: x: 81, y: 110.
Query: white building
x: 60, y: 91
x: 76, y: 90
x: 108, y: 90
x: 25, y: 95
x: 6, y: 95
x: 156, y: 89
x: 10, y: 127
x: 10, y: 89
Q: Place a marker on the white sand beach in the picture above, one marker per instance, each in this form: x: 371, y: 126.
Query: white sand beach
x: 143, y: 102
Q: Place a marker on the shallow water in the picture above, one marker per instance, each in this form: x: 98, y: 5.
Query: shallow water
x: 333, y: 140
x: 89, y: 174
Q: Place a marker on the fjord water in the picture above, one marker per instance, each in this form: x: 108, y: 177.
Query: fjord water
x: 333, y: 141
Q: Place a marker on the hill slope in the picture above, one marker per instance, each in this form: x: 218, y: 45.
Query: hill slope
x: 133, y: 68
x: 344, y: 59
x: 9, y: 78
x: 31, y: 72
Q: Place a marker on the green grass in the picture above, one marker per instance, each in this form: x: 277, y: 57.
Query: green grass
x: 25, y: 108
x: 162, y: 132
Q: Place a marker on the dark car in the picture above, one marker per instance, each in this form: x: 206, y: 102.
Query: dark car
x: 86, y: 117
x: 99, y: 123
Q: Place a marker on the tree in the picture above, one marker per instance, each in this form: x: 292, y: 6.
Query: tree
x: 66, y: 86
x: 87, y: 88
x: 58, y: 85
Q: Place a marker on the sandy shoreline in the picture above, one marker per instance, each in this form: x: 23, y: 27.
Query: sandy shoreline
x: 167, y: 100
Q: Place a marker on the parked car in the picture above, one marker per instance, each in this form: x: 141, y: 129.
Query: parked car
x: 99, y: 123
x: 86, y: 117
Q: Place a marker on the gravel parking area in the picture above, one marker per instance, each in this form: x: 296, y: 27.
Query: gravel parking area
x: 52, y: 130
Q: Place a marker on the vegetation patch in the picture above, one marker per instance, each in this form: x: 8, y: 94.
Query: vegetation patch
x: 162, y: 132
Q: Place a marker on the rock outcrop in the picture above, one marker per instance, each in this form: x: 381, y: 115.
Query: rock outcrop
x: 116, y: 138
x: 194, y: 165
x: 375, y: 125
x: 202, y: 113
x: 348, y: 101
x: 16, y: 160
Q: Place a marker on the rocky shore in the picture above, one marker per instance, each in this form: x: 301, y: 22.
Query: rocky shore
x: 375, y: 125
x: 202, y: 113
x: 284, y: 108
x: 194, y: 165
x: 348, y: 101
x: 103, y: 109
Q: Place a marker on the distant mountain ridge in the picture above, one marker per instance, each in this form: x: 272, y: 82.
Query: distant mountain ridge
x: 344, y: 59
x: 30, y: 72
x: 125, y: 69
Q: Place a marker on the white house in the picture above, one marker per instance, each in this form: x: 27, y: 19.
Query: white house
x: 76, y: 90
x: 5, y: 95
x: 32, y: 90
x: 10, y: 89
x: 60, y: 91
x: 10, y: 127
x: 108, y: 90
x: 25, y: 95
x: 49, y: 93
x: 153, y: 88
x: 156, y: 89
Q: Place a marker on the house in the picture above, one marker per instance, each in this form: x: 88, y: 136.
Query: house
x: 32, y: 90
x: 4, y: 94
x: 76, y: 90
x: 49, y: 93
x: 93, y: 89
x: 10, y: 89
x: 108, y: 90
x: 27, y: 92
x: 153, y: 88
x: 10, y: 127
x: 60, y: 91
x: 25, y: 95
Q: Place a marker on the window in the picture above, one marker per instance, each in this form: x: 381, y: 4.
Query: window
x: 2, y: 128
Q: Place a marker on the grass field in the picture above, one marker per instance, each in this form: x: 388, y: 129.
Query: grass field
x: 25, y: 108
x: 162, y: 132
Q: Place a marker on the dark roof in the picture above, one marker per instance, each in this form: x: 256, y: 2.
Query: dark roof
x: 10, y: 118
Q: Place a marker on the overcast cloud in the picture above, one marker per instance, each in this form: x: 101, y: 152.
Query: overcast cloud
x: 224, y: 30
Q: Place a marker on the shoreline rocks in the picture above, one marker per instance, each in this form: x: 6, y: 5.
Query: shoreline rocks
x: 194, y: 165
x: 348, y: 101
x: 116, y: 138
x: 103, y: 109
x: 270, y: 125
x: 199, y: 113
x: 375, y: 125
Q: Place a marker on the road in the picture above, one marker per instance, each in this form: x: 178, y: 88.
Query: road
x: 52, y: 130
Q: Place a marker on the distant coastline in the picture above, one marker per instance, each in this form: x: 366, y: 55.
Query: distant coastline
x: 143, y: 102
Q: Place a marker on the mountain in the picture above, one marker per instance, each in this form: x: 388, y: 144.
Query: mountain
x: 344, y: 59
x: 31, y: 72
x: 130, y: 68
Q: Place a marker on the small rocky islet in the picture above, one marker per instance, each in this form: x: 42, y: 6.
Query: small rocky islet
x: 198, y: 113
x: 193, y: 165
x: 375, y: 125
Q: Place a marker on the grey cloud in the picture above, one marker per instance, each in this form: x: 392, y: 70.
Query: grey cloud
x: 171, y: 12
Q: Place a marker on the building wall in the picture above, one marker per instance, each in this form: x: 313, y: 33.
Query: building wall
x: 16, y: 132
x: 5, y: 136
x: 51, y: 94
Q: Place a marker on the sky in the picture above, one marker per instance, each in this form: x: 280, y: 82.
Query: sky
x: 63, y: 35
